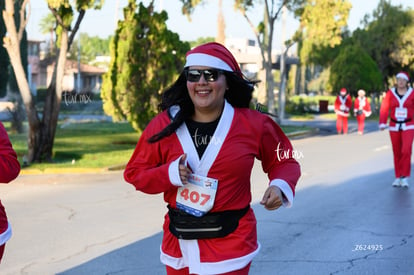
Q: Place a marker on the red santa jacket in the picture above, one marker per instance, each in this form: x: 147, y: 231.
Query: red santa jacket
x: 241, y: 136
x: 400, y: 110
x: 9, y: 169
x: 342, y: 105
x: 362, y: 104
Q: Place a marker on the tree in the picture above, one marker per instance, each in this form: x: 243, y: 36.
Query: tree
x: 48, y: 25
x: 145, y: 58
x: 19, y: 20
x: 221, y: 24
x: 42, y: 130
x: 354, y: 69
x: 264, y: 32
x: 322, y: 24
x: 91, y: 47
x: 201, y: 40
x: 388, y: 37
x: 328, y: 26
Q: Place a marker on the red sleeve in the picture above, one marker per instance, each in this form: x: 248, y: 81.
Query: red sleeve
x: 147, y: 169
x: 385, y: 108
x: 367, y: 106
x: 277, y: 155
x: 9, y: 165
x: 349, y: 102
x: 337, y: 104
x: 356, y: 104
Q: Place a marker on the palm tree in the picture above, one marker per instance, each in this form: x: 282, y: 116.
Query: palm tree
x: 48, y: 25
x: 221, y: 25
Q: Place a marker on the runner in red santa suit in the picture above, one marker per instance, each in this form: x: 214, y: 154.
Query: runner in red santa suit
x: 200, y: 153
x: 362, y: 109
x: 342, y: 106
x: 9, y: 169
x: 398, y: 104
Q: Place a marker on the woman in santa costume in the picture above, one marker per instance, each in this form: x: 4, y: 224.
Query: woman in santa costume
x: 342, y: 106
x: 398, y: 104
x: 200, y: 153
x: 362, y: 109
x: 9, y: 169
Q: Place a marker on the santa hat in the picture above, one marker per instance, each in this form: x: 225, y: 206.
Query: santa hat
x: 212, y: 55
x: 403, y: 75
x: 343, y: 90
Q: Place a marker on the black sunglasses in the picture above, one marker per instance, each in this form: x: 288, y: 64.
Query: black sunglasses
x: 210, y: 75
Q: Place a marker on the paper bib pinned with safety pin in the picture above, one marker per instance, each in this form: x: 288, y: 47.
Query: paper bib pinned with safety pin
x: 400, y: 113
x: 197, y: 196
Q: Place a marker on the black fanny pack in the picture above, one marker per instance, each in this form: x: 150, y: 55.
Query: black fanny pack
x: 211, y: 225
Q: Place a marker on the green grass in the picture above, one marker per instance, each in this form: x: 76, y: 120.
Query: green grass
x: 90, y: 145
x: 306, y: 116
x: 85, y: 145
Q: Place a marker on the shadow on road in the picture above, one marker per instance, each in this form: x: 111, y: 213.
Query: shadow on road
x: 359, y: 226
x: 141, y: 257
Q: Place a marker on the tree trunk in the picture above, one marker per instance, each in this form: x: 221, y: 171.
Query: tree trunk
x: 18, y: 112
x: 270, y: 83
x: 221, y: 25
x: 282, y: 89
x: 52, y: 105
x: 270, y: 87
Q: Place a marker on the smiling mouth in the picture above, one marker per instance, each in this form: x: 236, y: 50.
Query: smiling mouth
x: 203, y: 92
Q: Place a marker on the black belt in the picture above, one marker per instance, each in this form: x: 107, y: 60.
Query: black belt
x: 211, y: 225
x: 400, y: 122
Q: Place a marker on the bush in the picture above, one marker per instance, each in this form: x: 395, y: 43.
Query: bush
x: 303, y: 104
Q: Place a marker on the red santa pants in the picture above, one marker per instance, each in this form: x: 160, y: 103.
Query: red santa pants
x: 2, y: 251
x: 341, y: 124
x: 361, y: 123
x: 402, y: 142
x: 3, y: 227
x: 185, y: 271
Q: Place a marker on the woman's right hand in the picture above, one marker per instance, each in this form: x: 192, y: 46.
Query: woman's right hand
x: 184, y: 170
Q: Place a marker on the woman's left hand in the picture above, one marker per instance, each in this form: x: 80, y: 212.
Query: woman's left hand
x: 272, y: 198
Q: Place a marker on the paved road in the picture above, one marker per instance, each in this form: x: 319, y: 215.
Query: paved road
x: 346, y: 218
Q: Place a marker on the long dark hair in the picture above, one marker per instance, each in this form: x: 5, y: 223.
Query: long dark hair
x: 238, y: 94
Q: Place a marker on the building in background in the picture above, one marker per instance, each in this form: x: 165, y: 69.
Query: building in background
x: 41, y: 69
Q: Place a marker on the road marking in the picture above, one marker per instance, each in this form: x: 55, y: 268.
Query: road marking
x: 381, y: 148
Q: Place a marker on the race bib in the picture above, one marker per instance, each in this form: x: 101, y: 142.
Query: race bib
x: 197, y: 196
x: 400, y: 113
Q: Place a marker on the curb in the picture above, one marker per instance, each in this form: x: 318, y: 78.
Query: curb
x: 32, y: 171
x: 303, y: 133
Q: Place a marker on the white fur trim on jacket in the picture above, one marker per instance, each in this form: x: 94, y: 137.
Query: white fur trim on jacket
x: 191, y: 259
x: 286, y: 190
x: 174, y: 172
x: 6, y: 235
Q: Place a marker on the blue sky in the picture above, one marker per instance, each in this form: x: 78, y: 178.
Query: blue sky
x: 203, y: 23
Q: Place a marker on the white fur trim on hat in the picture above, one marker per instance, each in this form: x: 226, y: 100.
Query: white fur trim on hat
x: 202, y: 59
x: 403, y: 76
